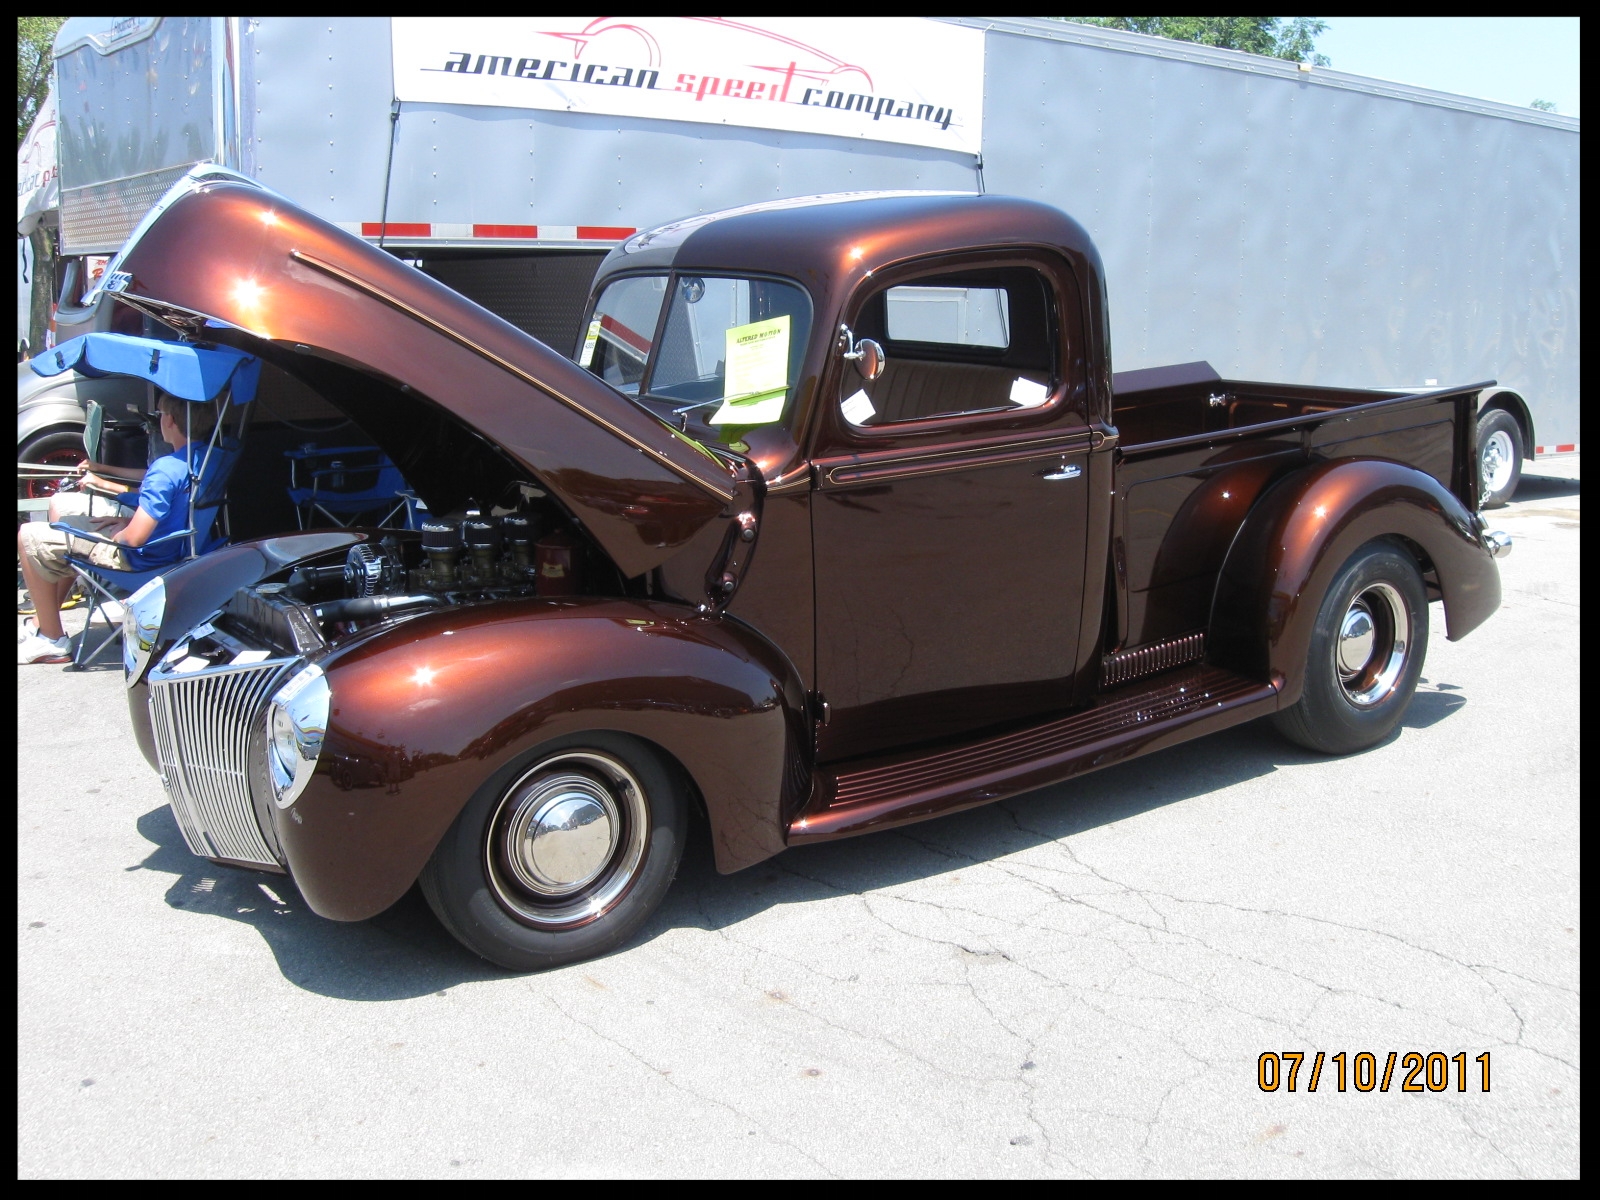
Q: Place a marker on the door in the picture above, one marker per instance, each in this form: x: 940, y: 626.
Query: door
x: 949, y: 522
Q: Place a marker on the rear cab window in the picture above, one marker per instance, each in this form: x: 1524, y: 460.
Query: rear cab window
x: 956, y: 344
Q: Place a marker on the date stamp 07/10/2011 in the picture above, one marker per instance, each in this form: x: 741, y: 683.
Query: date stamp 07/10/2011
x: 1419, y: 1072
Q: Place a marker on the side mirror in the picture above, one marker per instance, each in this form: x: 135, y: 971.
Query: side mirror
x: 867, y: 355
x: 868, y: 358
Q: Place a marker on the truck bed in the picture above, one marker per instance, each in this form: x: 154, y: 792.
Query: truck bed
x: 1197, y: 450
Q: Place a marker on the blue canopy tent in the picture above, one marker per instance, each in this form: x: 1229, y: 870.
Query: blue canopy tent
x: 198, y: 374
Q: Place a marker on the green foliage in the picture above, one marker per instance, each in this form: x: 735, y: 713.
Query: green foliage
x: 1543, y: 105
x: 1293, y: 38
x: 35, y: 35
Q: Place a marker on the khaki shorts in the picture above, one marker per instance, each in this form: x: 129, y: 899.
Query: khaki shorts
x: 47, y: 548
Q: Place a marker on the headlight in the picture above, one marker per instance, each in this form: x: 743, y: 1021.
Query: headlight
x: 297, y: 721
x: 141, y: 625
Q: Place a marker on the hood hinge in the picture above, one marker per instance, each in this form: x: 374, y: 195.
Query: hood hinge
x: 739, y: 545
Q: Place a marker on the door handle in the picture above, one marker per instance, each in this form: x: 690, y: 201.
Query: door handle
x: 1065, y: 471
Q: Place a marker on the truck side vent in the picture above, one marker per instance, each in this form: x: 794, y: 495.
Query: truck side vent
x: 1119, y: 668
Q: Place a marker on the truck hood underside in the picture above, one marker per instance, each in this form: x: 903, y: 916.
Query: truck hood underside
x: 463, y: 402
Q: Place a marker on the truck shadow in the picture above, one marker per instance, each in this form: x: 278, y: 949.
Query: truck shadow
x: 980, y: 835
x: 404, y: 952
x: 401, y: 953
x: 1543, y: 487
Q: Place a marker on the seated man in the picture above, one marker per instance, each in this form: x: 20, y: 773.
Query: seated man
x: 162, y: 508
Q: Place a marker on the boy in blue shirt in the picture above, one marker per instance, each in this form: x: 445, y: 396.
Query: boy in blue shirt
x: 162, y: 508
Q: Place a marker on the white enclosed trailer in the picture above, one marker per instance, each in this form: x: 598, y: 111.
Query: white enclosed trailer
x: 1291, y: 224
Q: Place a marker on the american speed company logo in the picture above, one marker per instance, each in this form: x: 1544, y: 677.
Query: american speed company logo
x: 771, y: 90
x: 909, y: 80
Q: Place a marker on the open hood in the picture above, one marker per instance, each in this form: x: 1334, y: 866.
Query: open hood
x: 459, y: 399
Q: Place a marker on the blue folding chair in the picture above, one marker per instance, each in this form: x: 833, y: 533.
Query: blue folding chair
x: 216, y: 374
x: 343, y: 484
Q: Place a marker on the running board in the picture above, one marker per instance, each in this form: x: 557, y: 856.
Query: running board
x: 1149, y: 715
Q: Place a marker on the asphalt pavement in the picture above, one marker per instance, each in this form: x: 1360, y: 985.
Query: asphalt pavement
x: 1078, y: 982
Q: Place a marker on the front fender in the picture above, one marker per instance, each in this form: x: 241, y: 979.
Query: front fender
x: 424, y: 714
x: 1305, y: 528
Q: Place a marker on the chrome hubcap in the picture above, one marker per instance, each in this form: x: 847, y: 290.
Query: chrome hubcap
x: 1355, y: 641
x: 566, y: 842
x: 561, y: 835
x: 1495, y: 462
x: 1374, y: 638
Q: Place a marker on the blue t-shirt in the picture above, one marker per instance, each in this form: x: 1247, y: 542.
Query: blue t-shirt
x: 164, y: 495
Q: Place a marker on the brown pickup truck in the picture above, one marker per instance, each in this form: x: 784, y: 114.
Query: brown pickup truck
x: 836, y: 519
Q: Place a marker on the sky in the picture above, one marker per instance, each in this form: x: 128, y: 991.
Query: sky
x: 1511, y: 59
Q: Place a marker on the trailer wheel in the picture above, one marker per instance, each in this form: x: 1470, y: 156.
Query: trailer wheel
x: 1500, y: 452
x: 56, y: 448
x: 563, y: 857
x: 1366, y: 654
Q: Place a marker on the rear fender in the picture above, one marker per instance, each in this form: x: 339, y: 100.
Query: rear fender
x: 59, y: 400
x: 428, y: 712
x: 1305, y: 528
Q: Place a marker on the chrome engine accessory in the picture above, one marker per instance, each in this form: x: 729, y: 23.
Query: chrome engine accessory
x: 482, y: 536
x: 441, y: 542
x: 520, y: 534
x: 370, y: 570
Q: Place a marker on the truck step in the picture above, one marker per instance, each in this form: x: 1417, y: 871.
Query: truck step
x: 896, y: 790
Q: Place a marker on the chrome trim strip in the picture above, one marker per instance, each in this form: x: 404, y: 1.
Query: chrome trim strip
x: 460, y: 339
x: 899, y: 466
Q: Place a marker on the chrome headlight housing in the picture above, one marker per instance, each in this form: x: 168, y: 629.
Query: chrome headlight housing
x: 141, y: 626
x: 297, y: 722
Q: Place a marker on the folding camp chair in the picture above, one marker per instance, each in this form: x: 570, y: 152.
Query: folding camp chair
x: 343, y: 484
x: 216, y: 374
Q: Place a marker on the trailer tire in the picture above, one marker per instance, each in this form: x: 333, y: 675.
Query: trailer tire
x: 55, y: 448
x: 1500, y: 451
x: 1366, y: 654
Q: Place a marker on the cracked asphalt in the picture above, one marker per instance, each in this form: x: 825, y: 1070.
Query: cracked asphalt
x: 1078, y: 982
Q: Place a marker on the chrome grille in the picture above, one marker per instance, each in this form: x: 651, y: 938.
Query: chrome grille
x: 204, y: 724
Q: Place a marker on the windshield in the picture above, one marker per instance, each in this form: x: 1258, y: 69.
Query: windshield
x: 728, y: 355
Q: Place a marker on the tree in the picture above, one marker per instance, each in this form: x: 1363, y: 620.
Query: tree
x: 1293, y: 38
x: 35, y: 36
x: 1544, y: 105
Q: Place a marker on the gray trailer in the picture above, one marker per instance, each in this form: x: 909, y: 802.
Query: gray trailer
x: 1326, y: 228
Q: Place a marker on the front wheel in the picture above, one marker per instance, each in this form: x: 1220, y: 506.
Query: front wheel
x: 564, y: 857
x: 1366, y: 654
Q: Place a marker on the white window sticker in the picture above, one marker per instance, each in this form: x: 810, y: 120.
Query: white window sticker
x: 1025, y: 393
x: 858, y: 408
x: 245, y: 657
x: 586, y: 356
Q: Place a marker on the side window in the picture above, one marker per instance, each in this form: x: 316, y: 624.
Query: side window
x: 976, y: 341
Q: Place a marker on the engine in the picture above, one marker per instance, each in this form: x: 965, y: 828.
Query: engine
x: 472, y: 559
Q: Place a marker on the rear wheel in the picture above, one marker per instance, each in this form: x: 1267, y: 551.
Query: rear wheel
x: 563, y: 857
x: 1366, y: 654
x: 1500, y: 451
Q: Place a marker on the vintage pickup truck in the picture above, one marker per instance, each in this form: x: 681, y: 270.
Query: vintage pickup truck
x: 836, y: 519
